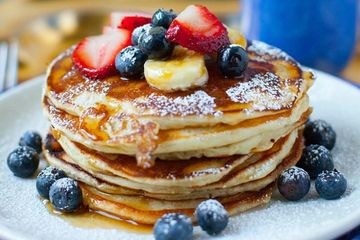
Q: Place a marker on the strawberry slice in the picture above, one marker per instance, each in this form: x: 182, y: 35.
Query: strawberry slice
x: 109, y: 29
x: 129, y: 20
x: 196, y: 28
x: 95, y: 56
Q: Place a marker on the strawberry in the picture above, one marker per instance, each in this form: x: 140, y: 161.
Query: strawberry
x: 109, y: 29
x: 95, y: 56
x: 196, y: 28
x: 129, y: 21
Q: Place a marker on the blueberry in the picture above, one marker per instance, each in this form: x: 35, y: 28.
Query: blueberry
x: 321, y: 133
x: 46, y: 178
x: 173, y: 226
x: 233, y: 60
x: 31, y: 139
x: 155, y: 44
x: 130, y: 62
x: 294, y: 183
x: 137, y: 32
x: 163, y: 18
x: 330, y: 184
x: 23, y: 161
x: 315, y: 159
x: 65, y: 195
x: 212, y: 216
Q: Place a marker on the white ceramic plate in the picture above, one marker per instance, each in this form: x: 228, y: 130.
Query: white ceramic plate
x: 23, y: 216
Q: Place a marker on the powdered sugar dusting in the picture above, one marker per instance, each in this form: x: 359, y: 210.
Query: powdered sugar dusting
x: 334, y: 174
x: 100, y: 87
x: 199, y: 103
x: 265, y: 52
x: 211, y: 171
x: 59, y: 119
x: 169, y: 220
x: 314, y: 154
x: 24, y: 152
x: 66, y: 183
x: 294, y: 173
x: 199, y: 173
x: 52, y: 172
x: 264, y: 91
x: 213, y: 207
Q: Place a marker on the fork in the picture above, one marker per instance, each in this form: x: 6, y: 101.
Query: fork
x: 8, y: 64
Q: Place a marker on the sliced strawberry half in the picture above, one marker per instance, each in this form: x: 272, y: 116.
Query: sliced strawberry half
x: 95, y: 56
x: 130, y: 20
x: 109, y: 29
x: 198, y: 29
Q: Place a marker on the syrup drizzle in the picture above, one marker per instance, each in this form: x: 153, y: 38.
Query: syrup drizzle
x: 88, y: 218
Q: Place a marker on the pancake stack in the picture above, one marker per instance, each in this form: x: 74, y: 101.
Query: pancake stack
x: 140, y: 152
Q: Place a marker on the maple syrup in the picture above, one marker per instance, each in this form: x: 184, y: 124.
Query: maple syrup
x: 88, y: 218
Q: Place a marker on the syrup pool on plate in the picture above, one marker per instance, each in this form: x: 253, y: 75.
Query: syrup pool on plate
x: 86, y: 218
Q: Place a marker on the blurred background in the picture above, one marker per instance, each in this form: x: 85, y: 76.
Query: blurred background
x: 321, y: 34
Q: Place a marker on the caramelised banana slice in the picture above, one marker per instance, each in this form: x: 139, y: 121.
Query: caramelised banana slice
x: 184, y: 70
x: 236, y: 37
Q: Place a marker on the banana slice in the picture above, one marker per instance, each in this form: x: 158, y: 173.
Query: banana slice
x: 184, y: 70
x: 236, y: 37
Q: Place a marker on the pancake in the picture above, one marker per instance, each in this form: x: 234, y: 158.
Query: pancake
x: 273, y: 82
x: 195, y: 172
x: 61, y: 160
x: 183, y: 140
x: 147, y: 211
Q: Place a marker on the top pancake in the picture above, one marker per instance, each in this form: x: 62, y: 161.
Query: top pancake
x: 272, y: 82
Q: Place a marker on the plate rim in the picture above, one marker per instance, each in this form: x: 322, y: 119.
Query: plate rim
x: 333, y: 231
